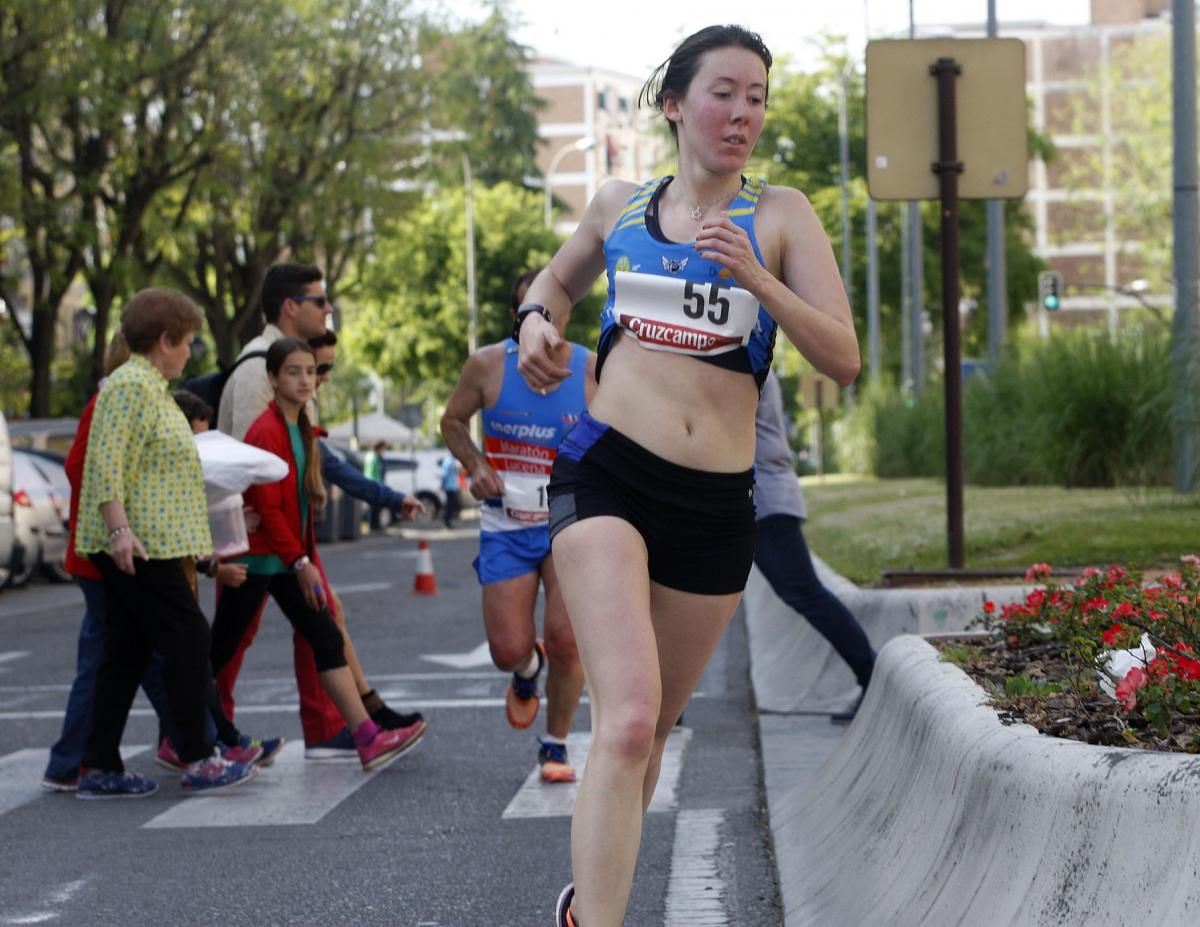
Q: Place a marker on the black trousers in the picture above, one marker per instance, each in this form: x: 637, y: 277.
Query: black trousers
x: 781, y: 553
x: 236, y: 608
x: 152, y: 610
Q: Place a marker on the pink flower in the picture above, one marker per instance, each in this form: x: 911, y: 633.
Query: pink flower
x: 1037, y: 572
x: 1127, y: 688
x: 1191, y: 560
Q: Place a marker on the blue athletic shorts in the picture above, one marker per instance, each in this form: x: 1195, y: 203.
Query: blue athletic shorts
x: 506, y: 554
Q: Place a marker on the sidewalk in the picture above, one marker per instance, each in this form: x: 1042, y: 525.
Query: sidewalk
x: 798, y: 679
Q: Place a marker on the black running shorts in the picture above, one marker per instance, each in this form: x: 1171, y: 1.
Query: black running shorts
x: 698, y: 526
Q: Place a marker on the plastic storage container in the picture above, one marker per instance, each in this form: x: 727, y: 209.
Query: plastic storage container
x: 228, y: 526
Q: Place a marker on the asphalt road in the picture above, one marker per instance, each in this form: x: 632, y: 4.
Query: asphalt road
x: 457, y: 834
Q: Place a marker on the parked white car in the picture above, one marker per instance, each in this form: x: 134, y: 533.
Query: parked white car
x: 9, y: 549
x: 41, y: 505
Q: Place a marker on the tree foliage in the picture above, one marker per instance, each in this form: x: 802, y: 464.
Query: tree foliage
x: 410, y: 322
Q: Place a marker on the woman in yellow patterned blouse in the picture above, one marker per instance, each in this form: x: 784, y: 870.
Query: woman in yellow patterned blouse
x: 142, y: 511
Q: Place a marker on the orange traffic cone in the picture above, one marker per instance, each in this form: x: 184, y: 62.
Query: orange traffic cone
x: 425, y: 582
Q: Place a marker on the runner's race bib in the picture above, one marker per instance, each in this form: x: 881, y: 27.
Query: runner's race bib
x: 683, y: 316
x: 525, y: 497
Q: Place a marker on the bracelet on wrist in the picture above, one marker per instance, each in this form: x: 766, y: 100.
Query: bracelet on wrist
x: 120, y: 529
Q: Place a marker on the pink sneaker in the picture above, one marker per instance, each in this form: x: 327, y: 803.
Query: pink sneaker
x: 246, y: 752
x: 388, y: 745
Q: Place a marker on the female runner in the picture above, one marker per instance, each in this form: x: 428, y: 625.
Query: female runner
x: 650, y: 499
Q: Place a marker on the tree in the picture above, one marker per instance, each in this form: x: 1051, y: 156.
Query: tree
x: 106, y: 105
x: 410, y: 321
x: 484, y: 93
x: 312, y: 153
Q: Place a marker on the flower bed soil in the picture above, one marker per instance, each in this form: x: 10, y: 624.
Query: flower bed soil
x: 1078, y: 711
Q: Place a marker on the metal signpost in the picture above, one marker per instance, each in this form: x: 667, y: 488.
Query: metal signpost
x: 946, y: 121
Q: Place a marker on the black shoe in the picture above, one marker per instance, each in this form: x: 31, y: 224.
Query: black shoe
x: 846, y: 715
x: 392, y: 720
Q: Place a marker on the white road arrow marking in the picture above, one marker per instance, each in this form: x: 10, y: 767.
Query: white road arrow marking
x: 480, y: 656
x: 537, y: 799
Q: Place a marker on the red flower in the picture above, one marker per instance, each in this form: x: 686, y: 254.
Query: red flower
x: 989, y: 607
x: 1127, y: 688
x: 1110, y: 636
x: 1038, y: 571
x: 1094, y: 604
x: 1035, y: 598
x: 1124, y: 610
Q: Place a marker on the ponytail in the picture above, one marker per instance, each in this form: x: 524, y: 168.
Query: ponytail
x: 314, y: 486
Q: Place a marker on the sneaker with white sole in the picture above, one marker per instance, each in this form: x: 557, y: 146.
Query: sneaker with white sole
x: 388, y: 745
x: 215, y: 772
x: 562, y: 910
x: 101, y: 783
x: 341, y: 747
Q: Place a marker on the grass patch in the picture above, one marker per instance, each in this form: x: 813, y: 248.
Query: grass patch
x: 865, y: 526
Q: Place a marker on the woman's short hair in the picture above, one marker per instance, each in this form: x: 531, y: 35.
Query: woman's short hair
x: 158, y: 311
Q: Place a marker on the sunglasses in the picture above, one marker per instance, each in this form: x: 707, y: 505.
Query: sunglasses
x: 323, y: 369
x: 319, y: 301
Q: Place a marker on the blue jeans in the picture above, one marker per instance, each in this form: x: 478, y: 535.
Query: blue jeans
x: 66, y: 754
x: 782, y: 556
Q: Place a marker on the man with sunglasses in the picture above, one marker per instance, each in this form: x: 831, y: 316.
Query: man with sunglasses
x: 295, y: 305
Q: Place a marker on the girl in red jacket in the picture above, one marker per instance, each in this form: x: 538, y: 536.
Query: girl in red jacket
x: 279, y: 562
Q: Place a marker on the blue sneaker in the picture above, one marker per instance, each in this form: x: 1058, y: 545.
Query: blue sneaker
x: 270, y: 747
x: 216, y: 772
x: 341, y: 747
x: 99, y: 783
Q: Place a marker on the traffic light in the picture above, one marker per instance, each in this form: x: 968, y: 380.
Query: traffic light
x: 1050, y: 287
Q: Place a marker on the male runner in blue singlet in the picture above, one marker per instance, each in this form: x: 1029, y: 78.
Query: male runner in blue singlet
x: 521, y: 432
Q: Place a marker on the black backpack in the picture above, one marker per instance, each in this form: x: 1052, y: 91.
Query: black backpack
x: 210, y: 386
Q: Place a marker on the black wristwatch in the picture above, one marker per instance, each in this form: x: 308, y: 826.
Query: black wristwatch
x: 523, y: 311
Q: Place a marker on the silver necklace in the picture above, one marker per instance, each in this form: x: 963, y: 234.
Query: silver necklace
x: 699, y: 209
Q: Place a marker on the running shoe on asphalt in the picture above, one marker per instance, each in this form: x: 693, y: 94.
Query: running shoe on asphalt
x: 552, y: 758
x: 245, y: 751
x: 215, y: 772
x: 391, y: 720
x: 340, y: 747
x: 270, y: 747
x: 562, y: 910
x: 388, y: 745
x: 60, y: 783
x: 521, y: 700
x: 98, y: 783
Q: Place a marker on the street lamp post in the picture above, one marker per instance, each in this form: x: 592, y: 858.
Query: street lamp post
x: 583, y: 144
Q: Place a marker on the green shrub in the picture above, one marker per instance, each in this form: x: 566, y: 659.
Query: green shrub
x: 1080, y: 409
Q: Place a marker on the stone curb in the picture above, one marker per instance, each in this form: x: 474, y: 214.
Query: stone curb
x: 931, y: 812
x: 793, y: 668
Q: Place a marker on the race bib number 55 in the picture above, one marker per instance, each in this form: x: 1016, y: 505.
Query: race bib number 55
x: 683, y: 316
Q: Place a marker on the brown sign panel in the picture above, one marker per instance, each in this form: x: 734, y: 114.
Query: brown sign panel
x: 818, y: 391
x: 902, y: 119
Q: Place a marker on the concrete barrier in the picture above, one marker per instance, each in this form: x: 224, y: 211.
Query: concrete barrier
x: 795, y: 670
x: 930, y: 812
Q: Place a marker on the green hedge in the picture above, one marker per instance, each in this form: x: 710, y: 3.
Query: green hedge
x: 1077, y: 409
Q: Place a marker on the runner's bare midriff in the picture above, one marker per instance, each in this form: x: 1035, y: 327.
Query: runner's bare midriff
x: 684, y: 410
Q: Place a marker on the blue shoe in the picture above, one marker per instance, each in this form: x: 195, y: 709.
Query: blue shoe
x: 341, y: 747
x: 270, y: 747
x: 216, y: 772
x: 98, y: 783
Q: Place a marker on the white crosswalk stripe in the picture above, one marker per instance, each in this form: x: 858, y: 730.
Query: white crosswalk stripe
x: 696, y: 891
x: 21, y: 774
x: 537, y: 799
x: 292, y: 791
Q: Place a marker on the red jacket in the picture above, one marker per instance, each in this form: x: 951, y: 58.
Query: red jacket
x: 75, y: 564
x: 278, y: 504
